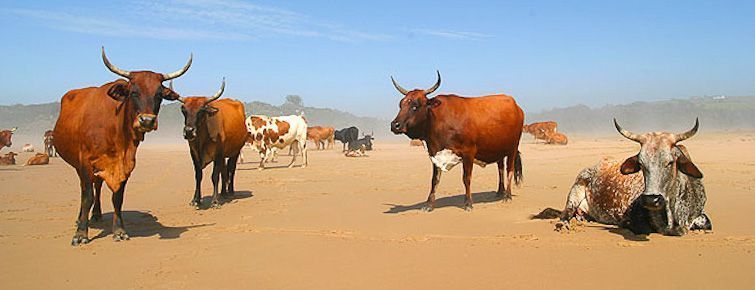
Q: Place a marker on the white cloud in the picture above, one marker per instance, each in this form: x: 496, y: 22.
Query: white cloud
x: 452, y: 34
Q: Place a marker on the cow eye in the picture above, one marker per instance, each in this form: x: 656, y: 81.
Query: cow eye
x: 670, y: 163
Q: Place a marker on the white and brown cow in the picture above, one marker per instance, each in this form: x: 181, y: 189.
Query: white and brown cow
x: 268, y: 134
x: 658, y: 190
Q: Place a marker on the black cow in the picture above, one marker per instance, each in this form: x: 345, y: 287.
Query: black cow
x: 366, y: 141
x: 347, y: 135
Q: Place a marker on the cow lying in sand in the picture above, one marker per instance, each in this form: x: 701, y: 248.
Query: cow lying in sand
x: 8, y: 159
x: 39, y: 159
x: 658, y: 190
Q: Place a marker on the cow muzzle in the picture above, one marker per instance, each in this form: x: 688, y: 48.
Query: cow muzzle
x: 190, y: 133
x: 398, y: 128
x: 146, y: 122
x: 653, y: 201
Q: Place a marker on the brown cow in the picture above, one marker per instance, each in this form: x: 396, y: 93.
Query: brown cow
x: 556, y: 138
x: 50, y: 144
x: 541, y: 130
x: 5, y: 137
x: 456, y: 129
x: 215, y: 131
x: 319, y: 134
x: 98, y: 132
x: 8, y: 159
x: 38, y: 159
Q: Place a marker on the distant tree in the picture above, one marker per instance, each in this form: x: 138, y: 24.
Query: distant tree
x: 294, y: 100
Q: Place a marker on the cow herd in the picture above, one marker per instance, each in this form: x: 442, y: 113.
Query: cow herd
x: 658, y: 190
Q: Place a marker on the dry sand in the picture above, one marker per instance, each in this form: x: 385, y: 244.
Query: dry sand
x: 355, y: 223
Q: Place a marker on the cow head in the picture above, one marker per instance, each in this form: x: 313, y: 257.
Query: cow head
x: 5, y: 137
x: 661, y: 160
x: 143, y: 93
x: 196, y: 110
x: 413, y: 110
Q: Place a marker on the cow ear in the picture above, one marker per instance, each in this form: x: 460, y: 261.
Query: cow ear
x: 170, y: 95
x: 119, y: 91
x: 432, y: 103
x: 687, y: 167
x: 631, y: 165
x: 211, y: 111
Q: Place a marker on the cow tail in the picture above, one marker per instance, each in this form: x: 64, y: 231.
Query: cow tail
x: 518, y: 168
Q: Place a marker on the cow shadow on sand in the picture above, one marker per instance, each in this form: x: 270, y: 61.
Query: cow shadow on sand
x: 447, y: 201
x: 238, y: 195
x: 140, y: 224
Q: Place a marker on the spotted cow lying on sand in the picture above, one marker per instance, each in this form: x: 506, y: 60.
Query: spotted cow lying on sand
x: 658, y: 190
x: 8, y: 159
x: 268, y: 134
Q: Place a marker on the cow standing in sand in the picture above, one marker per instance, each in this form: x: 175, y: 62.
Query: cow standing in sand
x: 215, y: 131
x: 5, y: 138
x: 658, y: 190
x: 268, y: 134
x: 50, y: 144
x: 98, y: 132
x: 346, y: 135
x: 319, y: 135
x: 470, y: 131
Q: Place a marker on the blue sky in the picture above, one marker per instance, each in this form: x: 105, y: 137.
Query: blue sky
x: 341, y: 53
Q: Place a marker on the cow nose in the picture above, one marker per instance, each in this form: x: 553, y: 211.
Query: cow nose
x: 395, y: 127
x: 189, y: 133
x: 652, y: 201
x: 147, y: 120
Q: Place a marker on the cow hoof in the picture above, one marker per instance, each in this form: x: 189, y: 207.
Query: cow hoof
x: 427, y: 208
x: 79, y: 240
x: 260, y: 168
x: 505, y: 197
x: 194, y: 204
x: 562, y: 226
x: 120, y: 235
x: 468, y: 207
x: 215, y: 205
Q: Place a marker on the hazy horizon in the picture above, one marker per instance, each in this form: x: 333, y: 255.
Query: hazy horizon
x: 341, y: 55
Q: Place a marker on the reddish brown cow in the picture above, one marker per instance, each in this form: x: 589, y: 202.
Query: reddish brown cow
x: 215, y: 131
x: 556, y: 138
x: 541, y: 130
x: 5, y: 137
x: 319, y: 135
x: 8, y: 159
x: 38, y: 159
x: 98, y: 132
x: 456, y: 129
x: 50, y: 144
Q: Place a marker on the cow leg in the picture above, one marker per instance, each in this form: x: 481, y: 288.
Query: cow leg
x: 97, y: 210
x: 502, y: 192
x: 576, y: 203
x: 433, y: 184
x: 468, y: 165
x: 119, y: 233
x: 217, y: 168
x: 263, y: 159
x: 197, y: 199
x: 293, y: 159
x: 231, y: 167
x: 303, y: 149
x: 81, y: 236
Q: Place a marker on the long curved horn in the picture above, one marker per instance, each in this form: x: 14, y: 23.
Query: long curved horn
x: 686, y: 135
x: 435, y: 86
x: 170, y: 86
x: 13, y: 129
x: 180, y: 72
x: 113, y: 68
x: 218, y: 94
x: 401, y: 90
x: 629, y: 135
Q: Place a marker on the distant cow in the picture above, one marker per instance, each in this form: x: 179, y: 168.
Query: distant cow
x: 362, y: 144
x: 27, y: 148
x: 269, y: 134
x: 319, y: 135
x: 215, y: 131
x: 98, y: 132
x: 8, y: 159
x: 541, y: 130
x: 5, y: 137
x: 556, y: 138
x: 38, y: 159
x: 50, y: 144
x: 416, y: 142
x: 347, y: 135
x: 456, y: 129
x: 645, y: 193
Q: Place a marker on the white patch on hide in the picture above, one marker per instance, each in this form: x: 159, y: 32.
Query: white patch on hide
x: 445, y: 160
